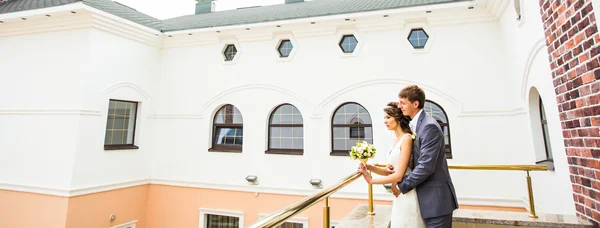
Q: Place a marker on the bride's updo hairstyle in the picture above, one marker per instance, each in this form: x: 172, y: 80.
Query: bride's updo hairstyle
x: 402, y: 120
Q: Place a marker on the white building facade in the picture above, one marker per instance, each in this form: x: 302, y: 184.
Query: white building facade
x: 101, y: 109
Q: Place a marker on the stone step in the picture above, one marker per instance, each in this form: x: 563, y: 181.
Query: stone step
x: 465, y: 218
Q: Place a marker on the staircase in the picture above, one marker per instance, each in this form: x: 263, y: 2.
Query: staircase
x: 465, y: 218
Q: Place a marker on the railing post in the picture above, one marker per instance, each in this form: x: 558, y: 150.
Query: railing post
x: 531, y: 203
x: 326, y: 213
x: 371, y: 212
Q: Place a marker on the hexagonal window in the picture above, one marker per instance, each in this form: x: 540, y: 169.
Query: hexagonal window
x: 229, y: 52
x: 285, y: 48
x: 418, y: 38
x: 348, y: 43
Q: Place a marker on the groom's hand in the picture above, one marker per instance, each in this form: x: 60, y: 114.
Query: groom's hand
x: 395, y: 191
x: 389, y: 169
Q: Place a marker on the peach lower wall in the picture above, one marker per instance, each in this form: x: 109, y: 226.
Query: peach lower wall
x: 157, y: 206
x: 24, y: 210
x: 170, y: 206
x: 94, y: 210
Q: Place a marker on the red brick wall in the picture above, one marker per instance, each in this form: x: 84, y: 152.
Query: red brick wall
x: 573, y: 44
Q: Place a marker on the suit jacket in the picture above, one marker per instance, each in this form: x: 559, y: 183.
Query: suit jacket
x: 430, y: 175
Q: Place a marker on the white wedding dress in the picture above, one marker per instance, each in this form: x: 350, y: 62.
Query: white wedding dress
x: 405, y: 208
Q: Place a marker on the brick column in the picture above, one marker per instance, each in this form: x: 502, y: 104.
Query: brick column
x: 573, y: 44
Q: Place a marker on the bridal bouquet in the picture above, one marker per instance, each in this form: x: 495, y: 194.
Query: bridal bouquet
x: 362, y: 151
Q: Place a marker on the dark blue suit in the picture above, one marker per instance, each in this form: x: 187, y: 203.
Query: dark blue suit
x: 430, y: 176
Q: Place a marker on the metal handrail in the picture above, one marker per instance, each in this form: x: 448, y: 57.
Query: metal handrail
x: 282, y: 215
x: 526, y: 168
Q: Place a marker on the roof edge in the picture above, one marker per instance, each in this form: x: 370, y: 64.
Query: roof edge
x: 457, y: 4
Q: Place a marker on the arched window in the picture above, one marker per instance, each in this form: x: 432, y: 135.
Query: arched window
x: 228, y: 130
x: 544, y: 122
x: 286, y: 133
x: 351, y: 123
x: 437, y: 112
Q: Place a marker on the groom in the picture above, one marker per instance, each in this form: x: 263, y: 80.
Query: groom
x: 437, y: 199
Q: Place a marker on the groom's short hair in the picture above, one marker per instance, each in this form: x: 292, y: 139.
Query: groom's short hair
x: 413, y: 93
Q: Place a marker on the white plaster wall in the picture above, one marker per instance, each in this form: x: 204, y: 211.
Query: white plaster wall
x: 195, y: 82
x: 124, y: 69
x: 530, y: 68
x: 40, y: 107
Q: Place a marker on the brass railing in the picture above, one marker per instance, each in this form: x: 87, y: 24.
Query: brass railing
x: 526, y: 168
x: 284, y: 214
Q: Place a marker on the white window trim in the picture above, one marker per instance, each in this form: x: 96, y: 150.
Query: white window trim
x: 225, y: 43
x: 278, y: 39
x: 301, y: 220
x: 350, y: 31
x: 419, y: 25
x: 125, y: 225
x: 204, y: 211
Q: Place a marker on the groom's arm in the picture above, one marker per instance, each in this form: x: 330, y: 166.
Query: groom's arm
x: 425, y: 165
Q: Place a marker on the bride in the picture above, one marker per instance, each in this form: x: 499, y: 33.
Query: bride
x: 405, y: 208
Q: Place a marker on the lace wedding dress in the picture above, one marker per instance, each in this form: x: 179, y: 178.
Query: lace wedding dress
x: 405, y: 208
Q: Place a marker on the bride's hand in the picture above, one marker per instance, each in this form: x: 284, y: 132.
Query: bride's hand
x: 362, y: 169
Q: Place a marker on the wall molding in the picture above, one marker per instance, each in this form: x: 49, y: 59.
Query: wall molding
x: 34, y: 189
x: 387, y: 81
x: 256, y: 86
x: 107, y: 187
x: 512, y: 112
x: 51, y: 112
x: 467, y: 200
x: 129, y: 85
x: 535, y: 49
x: 175, y: 116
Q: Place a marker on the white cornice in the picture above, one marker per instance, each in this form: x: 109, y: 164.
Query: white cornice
x: 44, y: 25
x: 497, y: 7
x: 110, y: 25
x: 61, y: 19
x: 43, y: 11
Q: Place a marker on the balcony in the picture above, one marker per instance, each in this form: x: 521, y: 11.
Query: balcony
x: 379, y: 216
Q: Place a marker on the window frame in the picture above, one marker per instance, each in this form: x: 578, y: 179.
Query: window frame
x: 415, y: 30
x: 224, y: 52
x: 225, y: 148
x: 300, y: 220
x: 131, y: 224
x: 544, y: 121
x: 123, y: 146
x: 281, y: 42
x: 447, y: 148
x: 283, y: 151
x: 349, y: 126
x: 340, y: 44
x: 205, y: 211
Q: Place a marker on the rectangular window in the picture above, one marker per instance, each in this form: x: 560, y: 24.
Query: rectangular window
x: 126, y: 225
x: 120, y: 125
x: 222, y: 221
x: 210, y: 218
x: 295, y: 222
